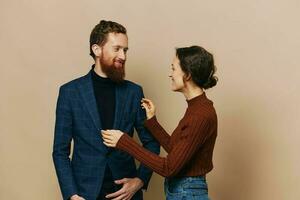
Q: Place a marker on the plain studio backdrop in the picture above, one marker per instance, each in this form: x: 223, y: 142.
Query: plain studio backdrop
x: 256, y: 43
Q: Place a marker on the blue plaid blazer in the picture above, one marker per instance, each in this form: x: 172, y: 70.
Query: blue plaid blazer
x: 77, y: 119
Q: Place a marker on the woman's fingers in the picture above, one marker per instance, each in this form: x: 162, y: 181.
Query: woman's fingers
x: 107, y: 139
x: 145, y: 106
x: 145, y: 99
x: 147, y: 102
x: 111, y: 137
x: 107, y: 144
x: 107, y: 136
x: 148, y: 105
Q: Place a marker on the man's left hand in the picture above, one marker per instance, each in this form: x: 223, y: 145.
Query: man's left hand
x: 130, y: 187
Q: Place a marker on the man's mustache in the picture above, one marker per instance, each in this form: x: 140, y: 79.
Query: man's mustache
x: 120, y: 61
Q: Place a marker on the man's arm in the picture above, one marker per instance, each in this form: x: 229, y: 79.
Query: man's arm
x: 148, y: 141
x: 62, y: 143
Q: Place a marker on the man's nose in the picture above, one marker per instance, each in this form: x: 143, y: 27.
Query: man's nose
x: 122, y: 55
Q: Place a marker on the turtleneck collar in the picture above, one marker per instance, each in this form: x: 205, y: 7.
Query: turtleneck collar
x: 100, y: 79
x: 196, y: 100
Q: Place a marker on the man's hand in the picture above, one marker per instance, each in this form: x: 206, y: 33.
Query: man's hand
x: 130, y: 187
x: 76, y: 197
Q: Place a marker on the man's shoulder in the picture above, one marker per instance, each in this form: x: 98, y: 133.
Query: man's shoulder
x: 131, y: 85
x: 72, y: 84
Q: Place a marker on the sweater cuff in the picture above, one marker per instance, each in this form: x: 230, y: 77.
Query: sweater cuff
x: 123, y: 142
x: 150, y: 122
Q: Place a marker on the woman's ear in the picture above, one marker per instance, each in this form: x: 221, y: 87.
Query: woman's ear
x: 97, y: 50
x: 187, y: 77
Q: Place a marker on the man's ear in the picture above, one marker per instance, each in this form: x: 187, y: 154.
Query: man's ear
x: 97, y: 50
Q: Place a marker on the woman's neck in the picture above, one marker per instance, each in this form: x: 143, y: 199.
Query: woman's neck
x: 191, y: 91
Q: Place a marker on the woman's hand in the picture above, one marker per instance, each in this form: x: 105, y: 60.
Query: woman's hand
x: 111, y: 137
x: 148, y: 105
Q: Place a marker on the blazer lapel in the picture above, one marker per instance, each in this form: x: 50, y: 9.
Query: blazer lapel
x: 87, y: 93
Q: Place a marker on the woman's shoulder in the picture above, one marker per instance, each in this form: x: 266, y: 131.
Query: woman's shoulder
x: 203, y: 113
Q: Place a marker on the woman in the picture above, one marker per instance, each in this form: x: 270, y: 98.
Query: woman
x: 190, y: 147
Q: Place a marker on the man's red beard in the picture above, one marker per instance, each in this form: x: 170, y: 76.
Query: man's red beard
x: 116, y: 74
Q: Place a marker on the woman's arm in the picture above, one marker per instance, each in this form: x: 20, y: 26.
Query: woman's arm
x: 159, y: 133
x: 192, y: 138
x: 153, y: 126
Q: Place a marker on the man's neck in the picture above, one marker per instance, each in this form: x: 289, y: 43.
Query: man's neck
x: 98, y: 70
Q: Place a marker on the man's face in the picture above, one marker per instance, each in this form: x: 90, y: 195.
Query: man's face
x: 113, y: 56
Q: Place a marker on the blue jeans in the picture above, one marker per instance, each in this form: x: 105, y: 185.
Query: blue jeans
x: 186, y: 188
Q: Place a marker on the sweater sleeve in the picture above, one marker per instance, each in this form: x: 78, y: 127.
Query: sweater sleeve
x: 159, y: 133
x: 192, y: 137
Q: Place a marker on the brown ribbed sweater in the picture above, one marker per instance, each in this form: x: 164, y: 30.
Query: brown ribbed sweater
x: 190, y: 147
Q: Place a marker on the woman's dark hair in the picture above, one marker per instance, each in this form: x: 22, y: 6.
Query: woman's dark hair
x: 100, y: 32
x: 199, y: 64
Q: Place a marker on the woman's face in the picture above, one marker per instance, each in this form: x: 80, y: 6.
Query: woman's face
x: 177, y: 76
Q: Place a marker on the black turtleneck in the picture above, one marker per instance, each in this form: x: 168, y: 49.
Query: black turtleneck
x: 105, y: 93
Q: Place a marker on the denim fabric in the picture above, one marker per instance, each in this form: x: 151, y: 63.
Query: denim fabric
x: 186, y: 188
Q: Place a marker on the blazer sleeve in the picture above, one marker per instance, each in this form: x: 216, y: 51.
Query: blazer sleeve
x: 147, y: 140
x: 62, y: 144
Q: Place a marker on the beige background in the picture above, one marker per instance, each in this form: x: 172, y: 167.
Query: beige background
x: 256, y: 43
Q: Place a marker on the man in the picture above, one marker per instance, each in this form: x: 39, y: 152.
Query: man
x: 100, y: 100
